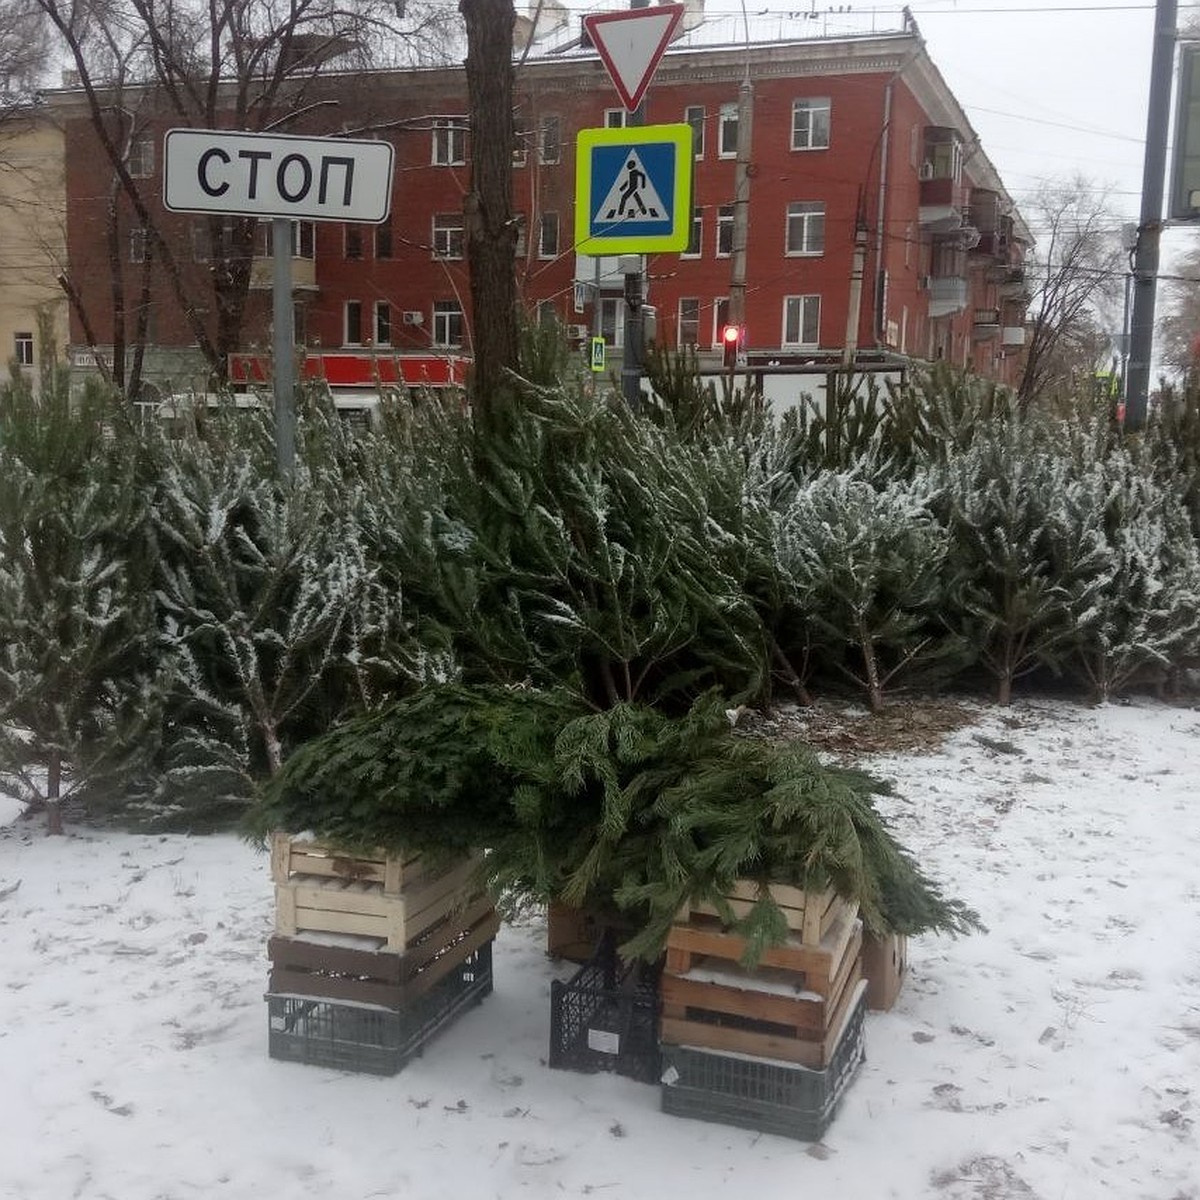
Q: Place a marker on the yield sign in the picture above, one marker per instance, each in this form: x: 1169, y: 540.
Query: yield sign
x: 630, y: 45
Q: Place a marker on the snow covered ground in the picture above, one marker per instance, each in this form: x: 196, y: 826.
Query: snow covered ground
x: 1056, y: 1057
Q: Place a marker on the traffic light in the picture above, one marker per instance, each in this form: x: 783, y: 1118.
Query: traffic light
x: 731, y: 343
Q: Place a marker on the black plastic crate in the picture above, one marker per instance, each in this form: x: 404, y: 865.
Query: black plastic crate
x: 605, y: 1017
x: 768, y: 1096
x: 367, y: 1038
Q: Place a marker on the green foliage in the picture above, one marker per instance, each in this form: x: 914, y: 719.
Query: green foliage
x: 627, y: 809
x: 77, y: 706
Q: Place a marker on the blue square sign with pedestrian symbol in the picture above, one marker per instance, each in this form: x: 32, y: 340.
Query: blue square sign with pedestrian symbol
x: 633, y: 189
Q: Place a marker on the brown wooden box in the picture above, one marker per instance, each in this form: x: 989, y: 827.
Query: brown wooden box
x: 392, y: 898
x: 885, y: 963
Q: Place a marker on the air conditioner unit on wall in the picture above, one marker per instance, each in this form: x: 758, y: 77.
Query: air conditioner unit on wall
x: 414, y: 317
x: 925, y: 171
x: 578, y: 331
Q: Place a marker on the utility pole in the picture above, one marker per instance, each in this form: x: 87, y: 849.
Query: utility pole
x: 284, y: 335
x: 741, y: 207
x: 631, y: 352
x: 1145, y: 258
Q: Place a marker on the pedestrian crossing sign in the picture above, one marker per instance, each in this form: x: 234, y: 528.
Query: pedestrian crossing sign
x: 633, y: 189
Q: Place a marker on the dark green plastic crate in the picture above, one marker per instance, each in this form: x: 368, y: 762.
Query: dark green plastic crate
x: 374, y: 1041
x: 767, y: 1096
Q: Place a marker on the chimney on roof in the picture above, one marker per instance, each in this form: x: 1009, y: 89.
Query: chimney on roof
x: 693, y: 15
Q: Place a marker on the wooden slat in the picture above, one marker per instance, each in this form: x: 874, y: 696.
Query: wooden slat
x: 291, y: 857
x: 807, y: 1017
x: 815, y: 1054
x: 809, y: 913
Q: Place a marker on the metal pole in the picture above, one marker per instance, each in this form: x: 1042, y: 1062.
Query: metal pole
x: 631, y: 352
x: 284, y: 345
x: 1145, y: 260
x: 741, y: 205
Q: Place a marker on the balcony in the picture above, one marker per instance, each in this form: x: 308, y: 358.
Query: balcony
x: 1012, y: 335
x: 304, y: 273
x: 947, y: 295
x: 986, y: 324
x: 943, y: 205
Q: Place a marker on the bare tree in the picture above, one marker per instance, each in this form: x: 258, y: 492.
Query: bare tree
x: 1180, y: 324
x: 1075, y: 275
x: 24, y: 49
x: 244, y: 64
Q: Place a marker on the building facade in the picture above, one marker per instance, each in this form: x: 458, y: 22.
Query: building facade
x: 33, y: 308
x: 860, y: 164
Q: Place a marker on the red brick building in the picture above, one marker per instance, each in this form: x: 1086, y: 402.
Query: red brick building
x: 849, y: 135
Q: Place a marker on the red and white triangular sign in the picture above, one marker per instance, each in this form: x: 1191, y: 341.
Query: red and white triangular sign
x: 631, y: 43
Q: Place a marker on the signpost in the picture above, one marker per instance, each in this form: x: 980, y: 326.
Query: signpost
x: 597, y: 354
x: 285, y: 179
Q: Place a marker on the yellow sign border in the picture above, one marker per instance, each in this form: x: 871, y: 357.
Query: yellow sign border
x: 587, y: 140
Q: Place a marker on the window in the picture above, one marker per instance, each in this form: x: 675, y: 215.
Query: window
x: 449, y: 142
x: 801, y: 320
x: 612, y: 321
x: 23, y: 349
x: 810, y: 124
x: 549, y: 140
x: 806, y: 227
x: 304, y: 237
x: 353, y: 314
x: 522, y: 139
x: 201, y: 242
x: 447, y: 323
x: 547, y: 314
x: 548, y: 235
x: 689, y: 321
x: 614, y: 118
x: 725, y: 231
x: 137, y: 245
x: 520, y: 222
x: 696, y: 234
x: 693, y: 115
x: 141, y: 158
x: 720, y: 318
x: 728, y: 140
x: 383, y: 323
x: 383, y: 240
x: 448, y: 235
x: 354, y: 241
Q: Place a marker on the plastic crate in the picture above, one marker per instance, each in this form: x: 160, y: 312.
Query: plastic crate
x: 605, y: 1017
x: 760, y: 1094
x: 368, y: 1038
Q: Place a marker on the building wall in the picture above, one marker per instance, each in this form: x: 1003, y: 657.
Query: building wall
x: 32, y: 250
x: 883, y: 94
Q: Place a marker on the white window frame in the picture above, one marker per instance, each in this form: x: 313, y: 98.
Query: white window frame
x: 806, y: 135
x: 804, y: 231
x: 612, y: 321
x: 695, y: 235
x: 382, y: 316
x: 693, y: 321
x: 727, y: 121
x: 803, y: 309
x: 548, y: 235
x: 615, y: 118
x: 695, y: 115
x: 140, y: 164
x: 522, y: 136
x: 449, y: 142
x: 720, y: 310
x: 547, y: 313
x: 724, y: 222
x: 549, y: 139
x: 348, y: 307
x: 23, y: 348
x: 447, y: 321
x: 449, y: 236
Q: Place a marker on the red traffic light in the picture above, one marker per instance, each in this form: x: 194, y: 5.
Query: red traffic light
x: 731, y: 343
x: 730, y: 335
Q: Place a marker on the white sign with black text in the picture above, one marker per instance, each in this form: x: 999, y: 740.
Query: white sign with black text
x: 276, y: 175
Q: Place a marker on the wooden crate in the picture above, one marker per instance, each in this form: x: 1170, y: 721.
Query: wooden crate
x: 885, y: 962
x: 391, y: 899
x: 304, y: 967
x: 293, y: 858
x: 571, y: 933
x: 789, y: 1008
x: 810, y: 914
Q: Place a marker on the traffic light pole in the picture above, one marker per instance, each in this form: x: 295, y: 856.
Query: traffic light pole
x: 631, y: 352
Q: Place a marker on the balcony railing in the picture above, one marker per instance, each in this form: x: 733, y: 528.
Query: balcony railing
x: 1012, y: 335
x: 986, y: 324
x: 947, y: 294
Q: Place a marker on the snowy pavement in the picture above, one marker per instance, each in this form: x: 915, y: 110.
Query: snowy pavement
x: 1056, y: 1057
